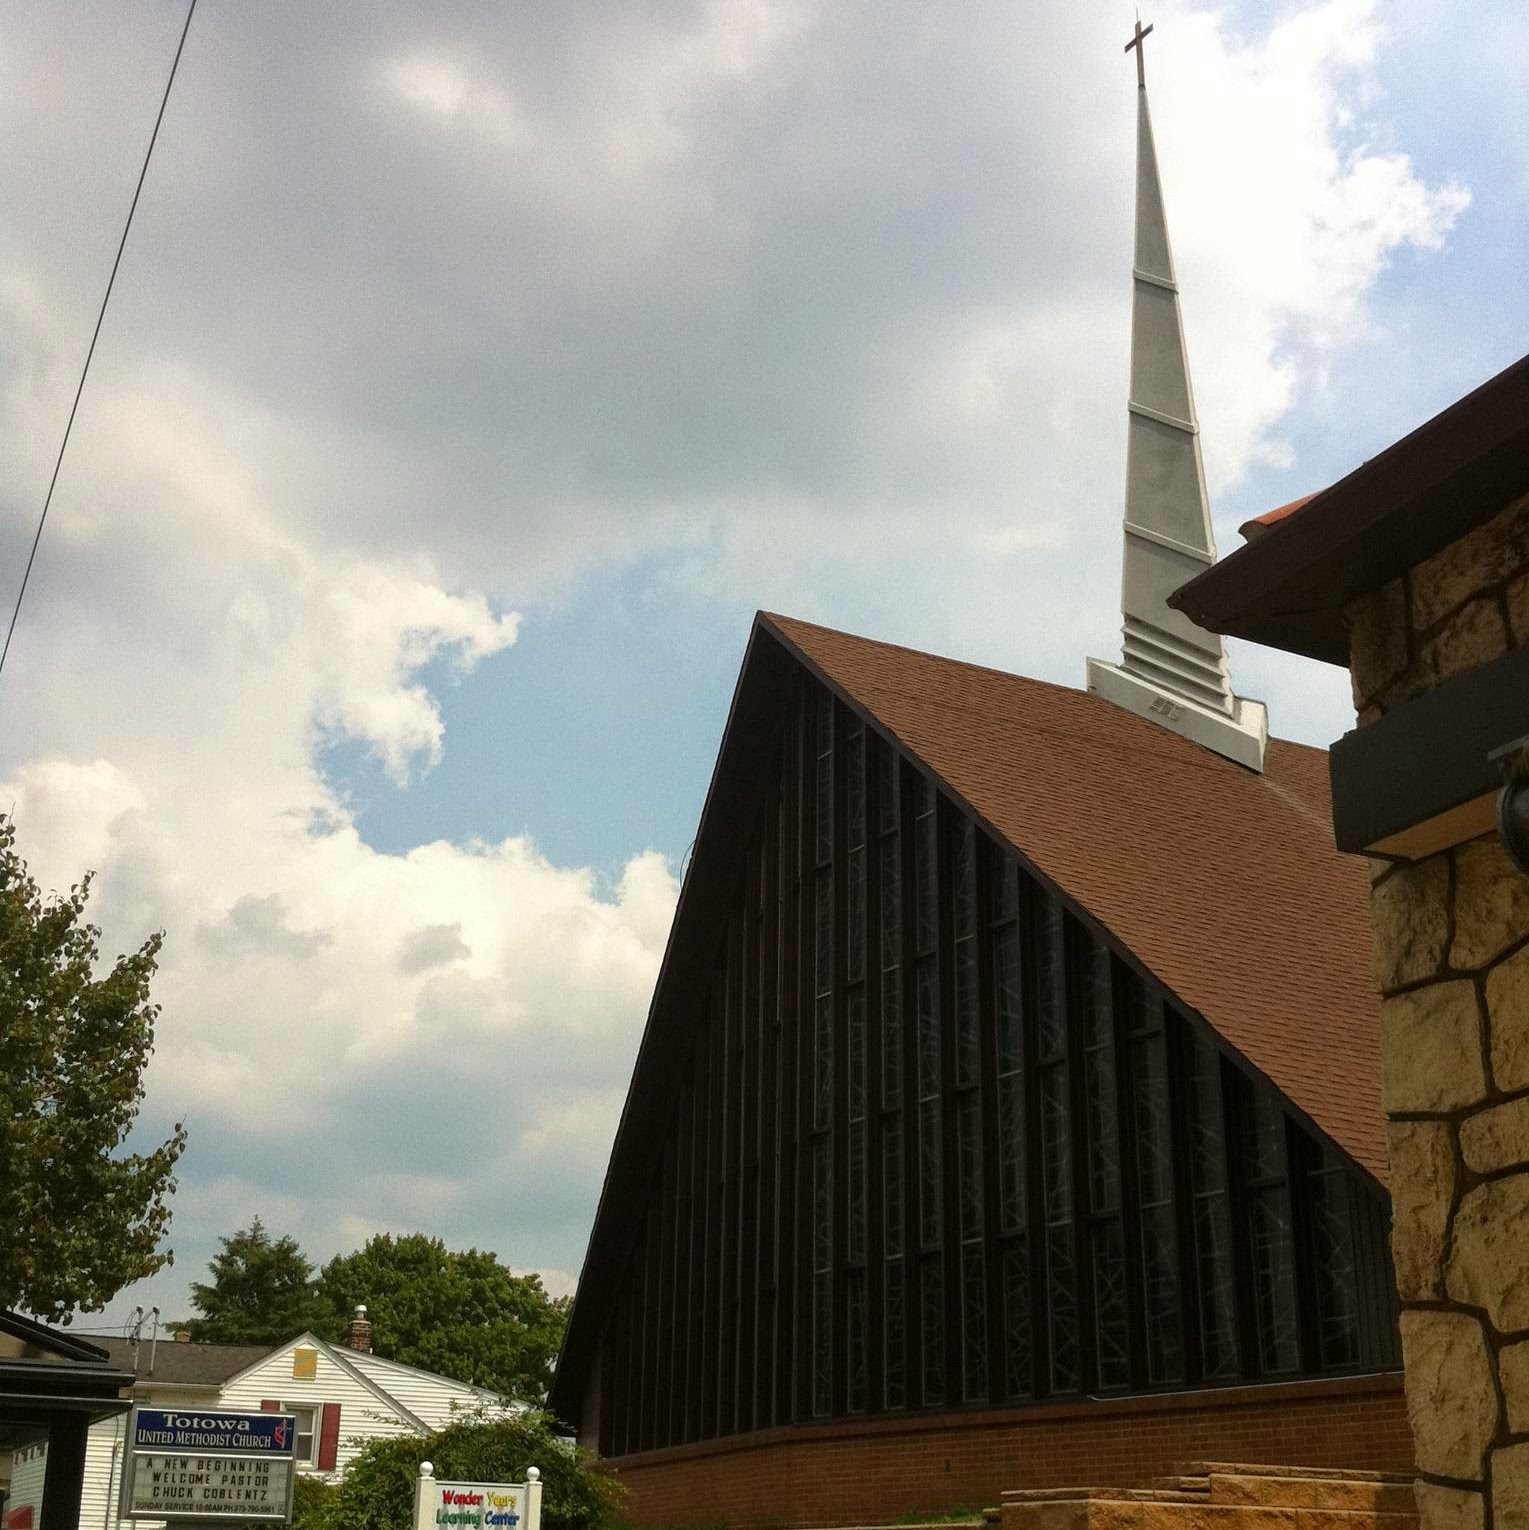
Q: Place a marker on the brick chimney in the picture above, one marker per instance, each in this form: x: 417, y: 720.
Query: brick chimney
x: 360, y: 1333
x: 182, y: 1335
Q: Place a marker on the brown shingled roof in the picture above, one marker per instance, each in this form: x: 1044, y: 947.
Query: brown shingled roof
x: 187, y: 1365
x: 1224, y: 883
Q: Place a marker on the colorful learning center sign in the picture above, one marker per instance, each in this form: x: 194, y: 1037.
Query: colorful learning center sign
x: 477, y: 1505
x: 195, y: 1465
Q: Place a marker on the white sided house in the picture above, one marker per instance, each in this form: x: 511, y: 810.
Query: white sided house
x: 342, y: 1395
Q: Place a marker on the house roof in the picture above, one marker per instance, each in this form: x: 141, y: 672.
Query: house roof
x: 1289, y: 587
x: 1221, y: 882
x: 186, y: 1365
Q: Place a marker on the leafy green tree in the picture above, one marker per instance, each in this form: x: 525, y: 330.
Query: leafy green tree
x: 459, y: 1314
x: 79, y: 1218
x: 377, y: 1492
x: 262, y: 1292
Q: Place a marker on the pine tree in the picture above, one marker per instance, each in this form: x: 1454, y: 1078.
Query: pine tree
x: 262, y: 1292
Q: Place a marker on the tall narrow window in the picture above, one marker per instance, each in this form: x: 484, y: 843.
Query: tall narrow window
x: 1270, y: 1234
x: 894, y: 1295
x: 823, y: 1063
x: 1008, y: 1020
x: 928, y: 1079
x: 894, y: 1277
x: 856, y: 1082
x: 1056, y: 1146
x: 1161, y: 1303
x: 1106, y: 1234
x: 822, y: 1276
x: 1331, y: 1199
x: 974, y: 1375
x: 968, y: 1105
x: 1212, y: 1218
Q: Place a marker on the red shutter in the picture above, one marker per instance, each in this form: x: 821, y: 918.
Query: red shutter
x: 269, y: 1405
x: 329, y: 1437
x: 19, y: 1519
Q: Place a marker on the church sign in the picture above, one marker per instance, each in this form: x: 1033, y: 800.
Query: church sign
x: 477, y: 1505
x: 189, y: 1464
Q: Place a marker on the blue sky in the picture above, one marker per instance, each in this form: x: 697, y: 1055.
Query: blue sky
x: 474, y: 376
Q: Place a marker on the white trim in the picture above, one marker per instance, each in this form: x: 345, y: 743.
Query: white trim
x: 317, y: 1410
x: 1172, y: 543
x: 336, y: 1357
x: 1187, y: 426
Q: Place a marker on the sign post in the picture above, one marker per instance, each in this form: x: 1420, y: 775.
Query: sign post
x: 191, y: 1465
x: 477, y: 1505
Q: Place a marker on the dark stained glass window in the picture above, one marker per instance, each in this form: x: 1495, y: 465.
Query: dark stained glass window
x: 1106, y: 1231
x: 932, y: 1328
x: 1271, y: 1236
x: 1161, y: 1296
x: 822, y: 1276
x: 1056, y: 1147
x: 940, y: 1142
x: 1214, y: 1267
x: 1334, y: 1261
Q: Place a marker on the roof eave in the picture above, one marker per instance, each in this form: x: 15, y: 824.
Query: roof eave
x: 1289, y: 588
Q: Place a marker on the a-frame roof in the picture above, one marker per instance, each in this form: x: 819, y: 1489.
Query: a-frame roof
x: 1224, y: 884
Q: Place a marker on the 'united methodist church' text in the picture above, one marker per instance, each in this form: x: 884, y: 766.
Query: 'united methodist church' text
x: 217, y: 1432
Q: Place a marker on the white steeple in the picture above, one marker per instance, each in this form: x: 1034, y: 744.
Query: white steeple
x: 1172, y: 671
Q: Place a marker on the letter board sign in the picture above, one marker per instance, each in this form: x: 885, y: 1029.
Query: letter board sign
x: 195, y: 1464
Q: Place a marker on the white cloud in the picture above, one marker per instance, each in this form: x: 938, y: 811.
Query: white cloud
x: 826, y: 306
x: 1283, y: 213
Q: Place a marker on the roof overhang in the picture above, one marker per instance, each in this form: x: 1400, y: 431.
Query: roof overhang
x: 1290, y: 586
x: 55, y: 1375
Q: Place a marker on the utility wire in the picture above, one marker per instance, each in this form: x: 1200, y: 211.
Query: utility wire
x: 96, y: 335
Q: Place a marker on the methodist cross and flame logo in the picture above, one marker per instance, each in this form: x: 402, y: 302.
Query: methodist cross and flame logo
x: 282, y: 1429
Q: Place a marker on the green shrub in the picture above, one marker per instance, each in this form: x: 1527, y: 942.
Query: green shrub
x: 310, y: 1502
x: 377, y: 1492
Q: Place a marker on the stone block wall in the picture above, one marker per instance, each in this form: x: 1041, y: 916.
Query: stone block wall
x: 1452, y: 962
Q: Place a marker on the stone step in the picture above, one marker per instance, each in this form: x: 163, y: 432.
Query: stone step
x: 1258, y: 1469
x: 1125, y: 1495
x: 1184, y: 1483
x: 1120, y: 1512
x: 1281, y: 1492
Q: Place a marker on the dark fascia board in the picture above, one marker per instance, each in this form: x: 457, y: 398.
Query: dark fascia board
x: 733, y: 791
x: 30, y: 1407
x: 56, y: 1340
x: 1289, y: 586
x: 1429, y: 756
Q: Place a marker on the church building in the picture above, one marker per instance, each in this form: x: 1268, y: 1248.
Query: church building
x: 1008, y: 1112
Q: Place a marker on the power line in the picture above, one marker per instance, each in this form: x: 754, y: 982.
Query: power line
x: 95, y: 335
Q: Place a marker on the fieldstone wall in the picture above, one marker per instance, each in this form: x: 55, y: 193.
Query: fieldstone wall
x: 1452, y: 962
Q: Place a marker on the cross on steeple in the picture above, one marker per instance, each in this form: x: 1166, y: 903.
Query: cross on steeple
x: 1141, y: 52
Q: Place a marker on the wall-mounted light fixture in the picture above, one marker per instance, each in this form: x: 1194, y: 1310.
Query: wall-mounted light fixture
x: 1513, y: 800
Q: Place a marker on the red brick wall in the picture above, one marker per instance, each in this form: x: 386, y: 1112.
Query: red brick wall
x: 876, y: 1470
